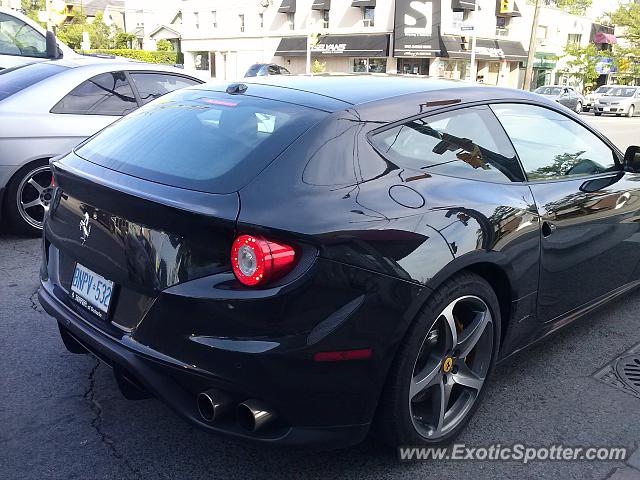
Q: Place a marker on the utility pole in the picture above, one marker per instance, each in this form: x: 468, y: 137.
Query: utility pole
x: 532, y: 48
x: 473, y: 71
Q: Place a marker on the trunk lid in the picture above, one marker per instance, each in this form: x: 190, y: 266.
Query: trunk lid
x: 141, y: 235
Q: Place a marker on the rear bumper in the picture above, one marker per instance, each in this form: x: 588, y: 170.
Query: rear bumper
x: 177, y: 384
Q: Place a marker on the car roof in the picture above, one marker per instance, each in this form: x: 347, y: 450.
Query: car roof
x: 332, y: 92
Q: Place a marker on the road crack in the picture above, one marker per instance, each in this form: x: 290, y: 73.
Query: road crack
x: 35, y: 304
x: 96, y: 423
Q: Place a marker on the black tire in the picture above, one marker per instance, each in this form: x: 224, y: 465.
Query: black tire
x: 579, y: 108
x: 11, y: 209
x: 631, y: 112
x: 597, y: 114
x: 394, y: 422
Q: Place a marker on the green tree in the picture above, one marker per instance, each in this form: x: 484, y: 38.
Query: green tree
x: 101, y: 35
x: 32, y: 7
x: 628, y: 16
x: 582, y: 63
x: 124, y: 39
x: 164, y: 45
x: 318, y: 66
x: 627, y: 63
x: 576, y: 7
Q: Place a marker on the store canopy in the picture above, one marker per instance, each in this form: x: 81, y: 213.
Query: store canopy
x: 321, y: 5
x: 602, y: 37
x: 287, y: 6
x: 375, y: 45
x: 486, y: 49
x: 462, y: 5
x: 363, y: 3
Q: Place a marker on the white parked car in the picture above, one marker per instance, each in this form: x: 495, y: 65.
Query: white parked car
x: 47, y: 108
x: 592, y: 98
x: 24, y: 41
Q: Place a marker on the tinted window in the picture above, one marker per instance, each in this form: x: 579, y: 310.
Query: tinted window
x: 272, y: 70
x: 621, y: 92
x: 284, y: 71
x: 549, y: 90
x: 551, y: 145
x: 12, y: 80
x: 467, y: 143
x: 18, y: 38
x: 153, y: 85
x: 602, y: 89
x: 104, y: 94
x: 253, y: 71
x: 201, y: 140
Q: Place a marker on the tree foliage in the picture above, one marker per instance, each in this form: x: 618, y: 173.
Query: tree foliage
x: 101, y: 35
x: 124, y: 39
x: 576, y: 7
x: 142, y: 55
x: 164, y: 45
x: 582, y: 63
x: 627, y: 15
x: 318, y: 67
x: 32, y: 7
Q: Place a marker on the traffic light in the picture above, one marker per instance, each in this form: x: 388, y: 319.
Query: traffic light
x: 506, y: 6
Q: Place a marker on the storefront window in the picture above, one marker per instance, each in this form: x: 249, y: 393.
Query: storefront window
x: 453, y: 69
x: 370, y: 65
x: 201, y: 60
x: 368, y: 15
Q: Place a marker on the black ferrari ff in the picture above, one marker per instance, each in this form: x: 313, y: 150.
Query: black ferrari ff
x: 307, y: 260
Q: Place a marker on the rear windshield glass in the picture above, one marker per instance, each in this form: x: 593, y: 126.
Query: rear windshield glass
x: 548, y: 91
x: 200, y: 140
x: 12, y: 80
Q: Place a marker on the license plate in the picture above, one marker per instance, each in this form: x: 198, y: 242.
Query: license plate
x: 91, y: 291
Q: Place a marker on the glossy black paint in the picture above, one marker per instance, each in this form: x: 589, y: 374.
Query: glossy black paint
x: 374, y: 240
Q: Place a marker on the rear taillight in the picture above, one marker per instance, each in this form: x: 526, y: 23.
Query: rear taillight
x: 256, y: 260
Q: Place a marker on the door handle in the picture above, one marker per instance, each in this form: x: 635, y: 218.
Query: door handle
x: 548, y: 228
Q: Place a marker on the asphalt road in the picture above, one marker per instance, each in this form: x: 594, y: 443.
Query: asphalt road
x: 62, y: 416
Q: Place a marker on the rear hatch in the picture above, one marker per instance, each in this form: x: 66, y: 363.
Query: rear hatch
x: 152, y: 201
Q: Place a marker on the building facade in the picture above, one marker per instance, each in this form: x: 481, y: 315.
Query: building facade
x: 223, y: 39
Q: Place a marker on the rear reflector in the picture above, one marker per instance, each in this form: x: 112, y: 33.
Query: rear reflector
x: 343, y: 355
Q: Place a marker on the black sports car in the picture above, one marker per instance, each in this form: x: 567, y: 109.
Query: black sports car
x: 303, y: 261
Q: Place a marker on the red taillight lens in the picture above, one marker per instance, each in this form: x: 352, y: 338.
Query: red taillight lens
x: 256, y: 260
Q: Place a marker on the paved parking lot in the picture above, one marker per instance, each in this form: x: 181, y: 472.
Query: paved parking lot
x: 62, y: 416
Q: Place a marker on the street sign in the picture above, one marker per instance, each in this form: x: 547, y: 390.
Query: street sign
x: 467, y: 28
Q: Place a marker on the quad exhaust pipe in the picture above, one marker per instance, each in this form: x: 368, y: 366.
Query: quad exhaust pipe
x: 213, y: 404
x: 254, y: 415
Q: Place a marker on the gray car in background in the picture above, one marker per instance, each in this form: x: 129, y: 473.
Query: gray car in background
x: 47, y: 108
x: 564, y: 95
x: 619, y: 101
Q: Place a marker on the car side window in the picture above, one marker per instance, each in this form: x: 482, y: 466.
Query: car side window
x: 468, y: 143
x: 18, y: 38
x: 273, y: 70
x: 152, y: 85
x: 551, y: 145
x: 104, y: 94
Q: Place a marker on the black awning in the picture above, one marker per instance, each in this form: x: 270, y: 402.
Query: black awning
x: 321, y: 5
x: 375, y: 45
x: 486, y: 49
x: 513, y: 12
x: 462, y: 5
x: 363, y: 3
x: 287, y: 6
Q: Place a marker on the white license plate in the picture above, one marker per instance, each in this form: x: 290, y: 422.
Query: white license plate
x: 91, y: 290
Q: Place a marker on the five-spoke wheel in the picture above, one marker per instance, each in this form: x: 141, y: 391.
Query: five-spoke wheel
x: 29, y: 195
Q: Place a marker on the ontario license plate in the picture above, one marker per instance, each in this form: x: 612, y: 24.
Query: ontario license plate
x: 91, y: 291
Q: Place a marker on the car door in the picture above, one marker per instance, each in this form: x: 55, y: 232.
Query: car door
x: 152, y: 85
x: 94, y: 104
x: 589, y: 208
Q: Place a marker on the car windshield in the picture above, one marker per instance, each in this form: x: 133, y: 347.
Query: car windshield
x: 621, y: 92
x: 253, y: 71
x: 549, y: 90
x: 602, y: 89
x: 200, y: 140
x: 12, y: 80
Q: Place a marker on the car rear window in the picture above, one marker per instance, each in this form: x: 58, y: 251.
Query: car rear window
x: 200, y: 140
x: 12, y: 80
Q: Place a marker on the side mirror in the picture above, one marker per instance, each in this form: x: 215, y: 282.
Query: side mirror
x: 52, y: 46
x: 632, y: 159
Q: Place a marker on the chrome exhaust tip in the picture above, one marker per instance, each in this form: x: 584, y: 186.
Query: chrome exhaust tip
x: 213, y: 404
x: 254, y: 415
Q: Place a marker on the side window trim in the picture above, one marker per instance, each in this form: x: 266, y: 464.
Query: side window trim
x: 134, y: 87
x: 617, y: 154
x: 442, y: 111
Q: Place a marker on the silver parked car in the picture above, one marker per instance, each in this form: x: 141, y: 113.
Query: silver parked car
x: 619, y: 101
x: 592, y: 98
x: 564, y: 95
x: 47, y: 108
